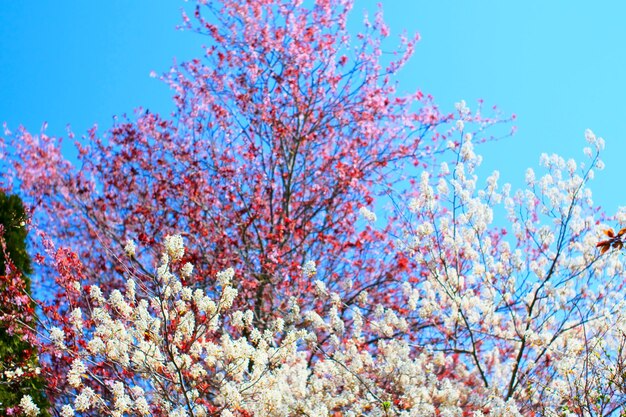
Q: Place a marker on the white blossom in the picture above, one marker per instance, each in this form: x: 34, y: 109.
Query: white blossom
x: 174, y: 247
x: 187, y: 270
x: 76, y: 373
x: 130, y: 248
x: 28, y: 406
x: 67, y: 411
x: 367, y: 214
x: 225, y: 277
x: 57, y: 336
x: 309, y: 269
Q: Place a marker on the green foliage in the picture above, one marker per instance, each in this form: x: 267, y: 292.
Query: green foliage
x: 13, y: 218
x: 18, y: 359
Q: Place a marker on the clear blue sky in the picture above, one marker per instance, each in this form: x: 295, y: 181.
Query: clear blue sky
x: 558, y: 65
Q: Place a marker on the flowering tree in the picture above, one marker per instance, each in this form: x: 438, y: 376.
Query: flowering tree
x: 528, y: 305
x: 278, y: 136
x: 287, y: 296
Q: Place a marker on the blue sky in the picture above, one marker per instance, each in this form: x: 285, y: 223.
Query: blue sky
x: 558, y: 65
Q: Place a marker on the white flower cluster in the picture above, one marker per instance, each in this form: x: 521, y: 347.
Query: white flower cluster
x: 28, y: 406
x: 367, y: 214
x: 174, y: 247
x: 130, y: 248
x: 504, y: 288
x: 462, y: 109
x: 597, y: 142
x: 17, y: 372
x: 309, y: 269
